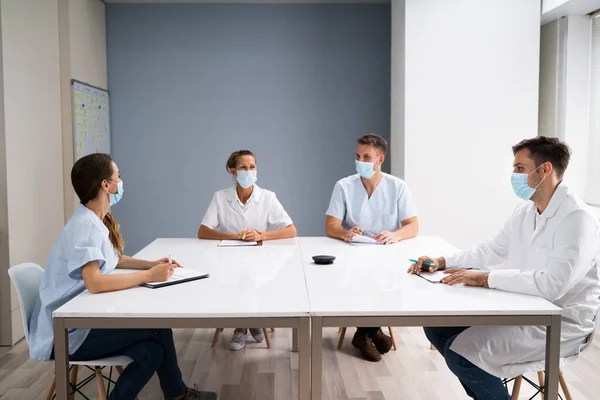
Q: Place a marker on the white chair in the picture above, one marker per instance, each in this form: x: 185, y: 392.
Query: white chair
x: 26, y: 278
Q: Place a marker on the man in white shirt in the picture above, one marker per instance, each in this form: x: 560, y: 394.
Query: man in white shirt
x: 551, y: 248
x: 373, y: 204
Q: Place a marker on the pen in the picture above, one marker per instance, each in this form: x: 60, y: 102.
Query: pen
x: 424, y: 262
x: 244, y: 235
x: 170, y: 259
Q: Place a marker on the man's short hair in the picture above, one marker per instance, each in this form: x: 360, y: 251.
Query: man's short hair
x: 374, y: 140
x: 546, y: 149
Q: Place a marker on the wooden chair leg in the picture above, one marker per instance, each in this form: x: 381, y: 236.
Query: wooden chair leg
x: 340, y: 329
x: 342, y: 335
x: 51, y: 389
x: 267, y: 337
x: 517, y: 387
x: 393, y: 337
x: 272, y: 329
x: 73, y: 380
x: 216, y: 337
x: 540, y: 375
x: 100, y: 384
x: 565, y: 388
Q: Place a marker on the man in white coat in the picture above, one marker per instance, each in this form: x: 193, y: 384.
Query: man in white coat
x: 551, y: 248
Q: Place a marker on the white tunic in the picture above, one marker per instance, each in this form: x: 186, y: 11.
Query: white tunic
x: 262, y: 211
x: 554, y: 255
x: 389, y: 204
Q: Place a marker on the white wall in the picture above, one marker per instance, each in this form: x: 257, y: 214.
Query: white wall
x: 45, y: 43
x: 33, y: 133
x: 87, y: 28
x: 83, y: 57
x: 471, y: 93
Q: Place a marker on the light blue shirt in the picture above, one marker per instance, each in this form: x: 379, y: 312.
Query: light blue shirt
x: 389, y: 205
x: 83, y: 239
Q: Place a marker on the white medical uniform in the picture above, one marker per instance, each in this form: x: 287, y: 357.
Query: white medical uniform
x: 554, y: 255
x: 262, y: 211
x: 389, y: 205
x: 83, y: 239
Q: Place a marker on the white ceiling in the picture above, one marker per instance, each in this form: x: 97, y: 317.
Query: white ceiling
x: 554, y: 9
x: 251, y: 1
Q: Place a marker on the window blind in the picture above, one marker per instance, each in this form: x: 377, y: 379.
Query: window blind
x: 592, y: 193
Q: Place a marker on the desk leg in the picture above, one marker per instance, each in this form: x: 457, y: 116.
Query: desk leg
x: 316, y: 362
x: 552, y: 358
x: 303, y: 345
x: 295, y: 340
x: 61, y: 359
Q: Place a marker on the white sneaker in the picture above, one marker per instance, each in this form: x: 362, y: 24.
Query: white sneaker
x: 257, y: 334
x: 238, y: 341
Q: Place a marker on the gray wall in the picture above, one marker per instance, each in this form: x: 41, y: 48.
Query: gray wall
x: 190, y: 83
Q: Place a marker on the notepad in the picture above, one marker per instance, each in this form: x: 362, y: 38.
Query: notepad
x: 236, y: 243
x: 433, y: 277
x: 359, y: 239
x: 180, y: 275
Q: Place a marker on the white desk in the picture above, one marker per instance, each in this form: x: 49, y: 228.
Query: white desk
x: 248, y: 286
x: 368, y: 286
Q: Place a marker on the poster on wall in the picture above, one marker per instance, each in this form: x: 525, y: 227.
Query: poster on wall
x: 91, y: 120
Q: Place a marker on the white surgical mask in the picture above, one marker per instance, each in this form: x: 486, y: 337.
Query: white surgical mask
x: 116, y: 197
x: 246, y: 178
x: 521, y: 186
x: 365, y: 169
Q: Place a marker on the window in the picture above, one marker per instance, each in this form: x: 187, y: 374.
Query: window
x: 592, y: 194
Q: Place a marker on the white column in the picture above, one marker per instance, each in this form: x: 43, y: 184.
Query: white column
x: 471, y: 93
x: 44, y: 44
x: 398, y: 99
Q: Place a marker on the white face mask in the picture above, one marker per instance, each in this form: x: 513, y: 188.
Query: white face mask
x: 246, y: 178
x: 521, y: 186
x: 116, y: 197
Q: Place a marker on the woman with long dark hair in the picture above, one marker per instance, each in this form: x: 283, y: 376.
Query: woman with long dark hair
x: 89, y: 248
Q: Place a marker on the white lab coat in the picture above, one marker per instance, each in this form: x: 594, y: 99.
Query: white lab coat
x: 262, y: 211
x: 554, y: 255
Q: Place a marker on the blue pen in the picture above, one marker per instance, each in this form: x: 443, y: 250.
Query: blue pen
x: 424, y: 262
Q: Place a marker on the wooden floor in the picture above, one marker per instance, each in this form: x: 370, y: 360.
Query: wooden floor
x: 413, y: 372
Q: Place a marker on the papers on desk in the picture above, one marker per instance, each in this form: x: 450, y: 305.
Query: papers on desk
x: 236, y: 243
x: 180, y: 275
x: 433, y: 277
x: 359, y: 239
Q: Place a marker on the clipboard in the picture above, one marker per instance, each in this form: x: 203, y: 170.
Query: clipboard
x: 177, y: 278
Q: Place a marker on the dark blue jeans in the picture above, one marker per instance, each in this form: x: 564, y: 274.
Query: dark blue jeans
x: 152, y: 350
x: 478, y: 384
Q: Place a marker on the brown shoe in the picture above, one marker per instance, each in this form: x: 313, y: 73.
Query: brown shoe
x: 368, y: 351
x: 382, y: 342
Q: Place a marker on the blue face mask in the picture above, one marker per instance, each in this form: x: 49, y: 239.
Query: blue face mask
x: 246, y: 178
x: 116, y: 197
x: 364, y: 169
x: 521, y: 187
